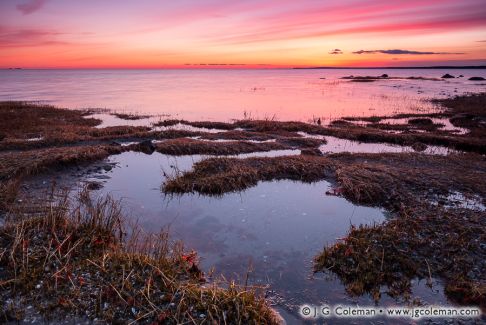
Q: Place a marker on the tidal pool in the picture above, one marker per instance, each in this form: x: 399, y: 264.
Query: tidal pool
x: 270, y: 232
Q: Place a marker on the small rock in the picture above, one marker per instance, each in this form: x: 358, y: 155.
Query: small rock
x: 384, y: 75
x: 447, y: 76
x: 146, y: 147
x: 476, y: 79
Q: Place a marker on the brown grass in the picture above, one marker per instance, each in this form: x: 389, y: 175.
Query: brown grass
x: 77, y: 260
x: 27, y: 120
x: 465, y: 111
x: 221, y: 175
x: 420, y: 242
x: 186, y: 146
x: 130, y: 117
x: 23, y: 163
x: 385, y: 179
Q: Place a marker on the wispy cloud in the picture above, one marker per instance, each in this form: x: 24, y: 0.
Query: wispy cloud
x: 28, y: 38
x: 401, y: 52
x: 31, y: 6
x: 336, y: 51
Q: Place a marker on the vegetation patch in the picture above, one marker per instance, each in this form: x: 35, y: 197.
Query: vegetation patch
x: 425, y: 238
x: 76, y: 260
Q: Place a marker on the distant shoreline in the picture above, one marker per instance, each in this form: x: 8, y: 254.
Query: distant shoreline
x: 402, y: 68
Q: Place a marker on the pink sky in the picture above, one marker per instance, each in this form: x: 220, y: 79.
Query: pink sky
x: 250, y: 33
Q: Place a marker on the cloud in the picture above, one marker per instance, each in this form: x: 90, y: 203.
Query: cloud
x: 483, y: 41
x: 336, y: 51
x: 401, y: 52
x: 31, y: 6
x: 28, y: 38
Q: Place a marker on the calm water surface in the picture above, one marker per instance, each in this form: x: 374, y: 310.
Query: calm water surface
x: 284, y: 94
x: 275, y: 228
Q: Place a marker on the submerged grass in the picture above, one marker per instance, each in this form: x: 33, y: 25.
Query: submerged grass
x: 77, y: 261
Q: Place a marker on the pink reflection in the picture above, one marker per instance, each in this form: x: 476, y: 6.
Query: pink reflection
x: 283, y: 94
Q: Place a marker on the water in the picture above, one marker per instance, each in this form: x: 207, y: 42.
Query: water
x: 274, y: 228
x: 284, y: 94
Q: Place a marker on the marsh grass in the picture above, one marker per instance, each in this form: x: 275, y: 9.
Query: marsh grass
x: 77, y: 260
x: 423, y: 239
x: 422, y: 242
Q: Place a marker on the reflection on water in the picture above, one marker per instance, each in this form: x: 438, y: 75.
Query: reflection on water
x: 336, y: 145
x: 275, y: 228
x: 285, y: 94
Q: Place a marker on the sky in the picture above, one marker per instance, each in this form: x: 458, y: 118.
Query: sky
x: 246, y: 33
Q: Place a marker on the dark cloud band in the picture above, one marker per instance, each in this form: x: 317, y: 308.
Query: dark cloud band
x: 401, y: 52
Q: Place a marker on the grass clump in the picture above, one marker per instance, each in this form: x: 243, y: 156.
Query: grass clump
x: 22, y: 163
x: 422, y: 242
x: 77, y: 260
x: 187, y: 146
x: 221, y: 175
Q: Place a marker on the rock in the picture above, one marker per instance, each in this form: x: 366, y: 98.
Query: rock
x: 476, y: 79
x: 107, y: 167
x: 460, y: 76
x: 146, y: 147
x: 447, y: 76
x: 419, y: 146
x: 384, y: 75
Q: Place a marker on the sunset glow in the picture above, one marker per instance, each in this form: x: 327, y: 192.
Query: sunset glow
x: 253, y: 33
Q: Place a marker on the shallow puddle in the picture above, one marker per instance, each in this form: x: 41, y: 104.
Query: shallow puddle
x: 447, y: 125
x: 273, y: 229
x: 108, y: 120
x: 185, y: 127
x: 336, y: 145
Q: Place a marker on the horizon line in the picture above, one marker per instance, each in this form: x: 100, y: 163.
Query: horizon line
x: 249, y: 67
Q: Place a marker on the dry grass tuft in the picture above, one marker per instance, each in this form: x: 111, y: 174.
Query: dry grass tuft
x: 186, y: 146
x: 77, y: 261
x: 21, y: 163
x: 221, y: 175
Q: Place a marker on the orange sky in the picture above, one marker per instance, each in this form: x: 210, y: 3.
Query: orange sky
x: 251, y: 33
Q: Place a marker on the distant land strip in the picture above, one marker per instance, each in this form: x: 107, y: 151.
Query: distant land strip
x: 404, y: 68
